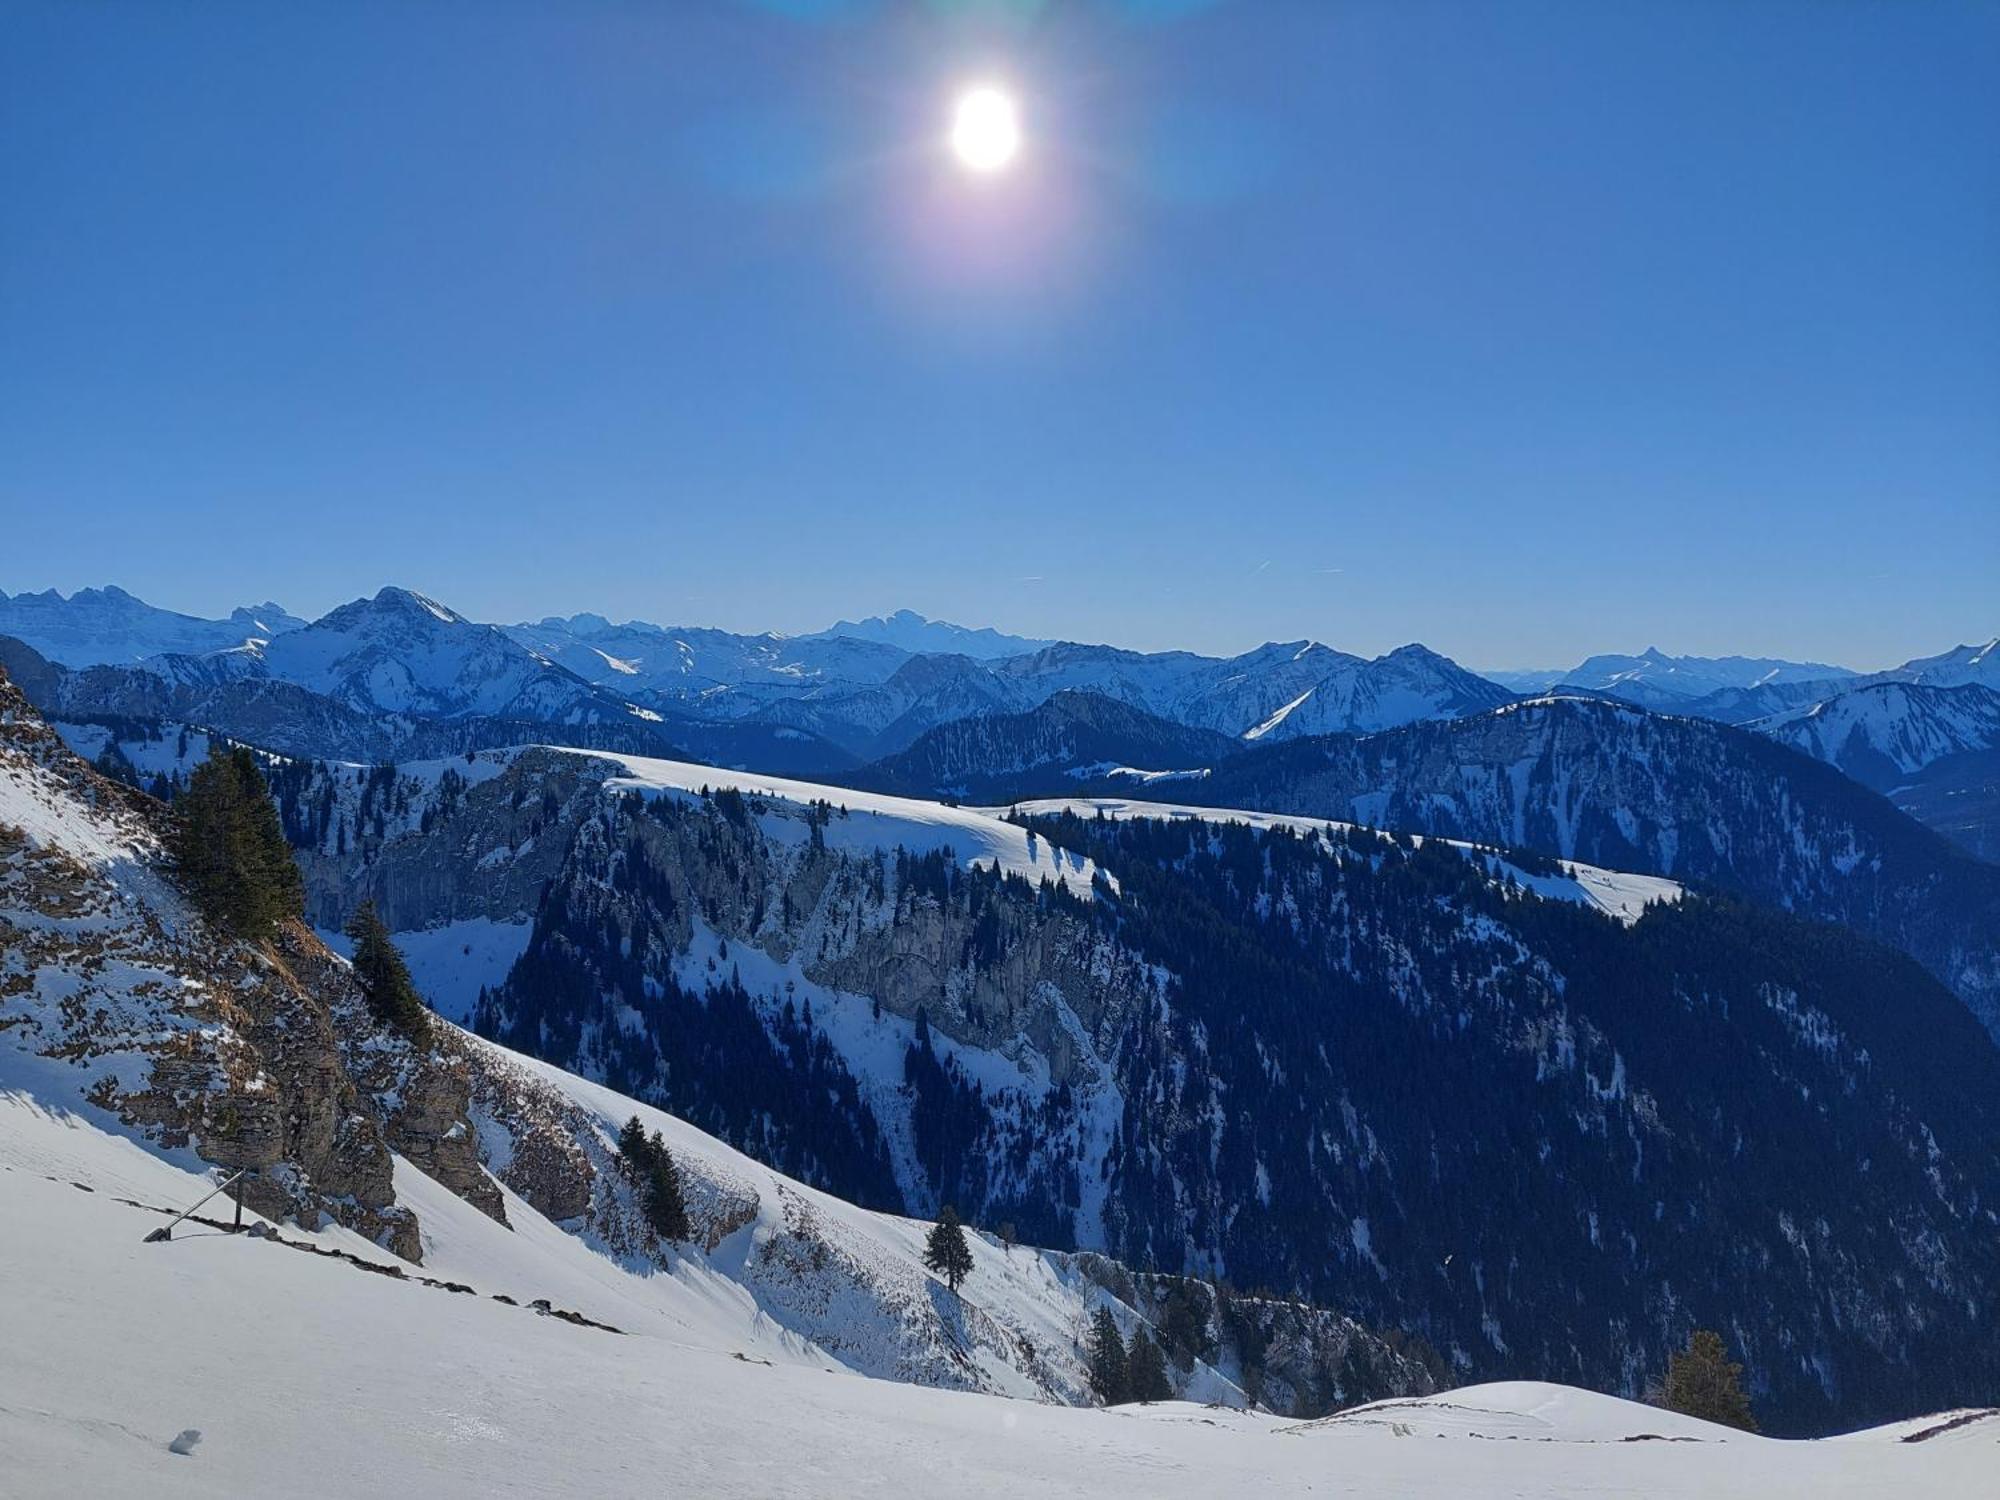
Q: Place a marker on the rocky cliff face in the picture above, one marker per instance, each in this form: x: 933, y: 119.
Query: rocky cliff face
x: 257, y: 1056
x: 693, y: 949
x: 724, y: 892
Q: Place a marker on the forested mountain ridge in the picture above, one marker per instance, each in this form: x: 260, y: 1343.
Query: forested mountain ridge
x: 1075, y: 734
x: 1582, y: 778
x: 1329, y: 1064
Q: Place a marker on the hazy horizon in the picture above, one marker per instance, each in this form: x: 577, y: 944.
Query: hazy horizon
x: 220, y: 609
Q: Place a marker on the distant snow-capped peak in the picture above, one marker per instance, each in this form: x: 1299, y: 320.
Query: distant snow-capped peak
x: 917, y: 633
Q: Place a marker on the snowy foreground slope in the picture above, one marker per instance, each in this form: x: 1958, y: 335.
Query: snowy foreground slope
x: 304, y: 1374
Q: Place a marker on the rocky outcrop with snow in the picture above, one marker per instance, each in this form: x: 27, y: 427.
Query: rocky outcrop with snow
x: 116, y: 994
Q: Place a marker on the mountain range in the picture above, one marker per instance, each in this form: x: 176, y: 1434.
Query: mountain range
x: 94, y: 626
x: 1343, y: 978
x: 400, y: 675
x: 832, y: 700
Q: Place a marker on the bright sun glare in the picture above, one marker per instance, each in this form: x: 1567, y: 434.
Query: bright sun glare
x: 985, y: 131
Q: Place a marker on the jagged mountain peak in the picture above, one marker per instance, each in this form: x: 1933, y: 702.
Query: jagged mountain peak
x: 110, y: 625
x: 393, y: 601
x: 1973, y: 662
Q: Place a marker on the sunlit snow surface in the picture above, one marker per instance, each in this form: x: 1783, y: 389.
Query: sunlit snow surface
x: 1613, y: 892
x: 305, y: 1376
x: 983, y: 836
x: 873, y: 821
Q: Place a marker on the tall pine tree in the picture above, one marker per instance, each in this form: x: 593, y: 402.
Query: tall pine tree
x: 666, y: 1205
x: 228, y: 847
x: 653, y: 1170
x: 1702, y: 1381
x: 946, y: 1252
x: 1146, y: 1369
x: 384, y: 977
x: 1105, y: 1358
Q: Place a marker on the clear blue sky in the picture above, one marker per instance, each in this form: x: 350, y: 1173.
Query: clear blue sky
x: 1522, y: 329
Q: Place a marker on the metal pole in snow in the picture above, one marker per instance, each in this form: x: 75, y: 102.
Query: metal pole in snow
x: 166, y: 1231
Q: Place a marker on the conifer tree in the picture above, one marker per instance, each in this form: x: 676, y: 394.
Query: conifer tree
x: 384, y: 977
x: 228, y: 847
x: 657, y: 1176
x: 1702, y: 1381
x: 666, y: 1206
x: 1106, y: 1360
x: 632, y: 1143
x: 946, y: 1252
x: 1146, y: 1370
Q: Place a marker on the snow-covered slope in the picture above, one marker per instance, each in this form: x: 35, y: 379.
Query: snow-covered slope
x: 1613, y: 892
x: 397, y: 670
x: 871, y: 820
x: 767, y: 968
x: 1587, y: 778
x: 1409, y: 684
x: 1281, y: 690
x: 1886, y: 730
x: 401, y: 653
x: 684, y: 662
x: 1741, y: 690
x: 110, y: 625
x: 219, y: 1364
x: 1975, y: 663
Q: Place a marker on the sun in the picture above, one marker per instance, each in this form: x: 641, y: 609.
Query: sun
x: 985, y: 130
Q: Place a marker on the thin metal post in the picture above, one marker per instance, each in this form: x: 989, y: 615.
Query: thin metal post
x: 166, y: 1231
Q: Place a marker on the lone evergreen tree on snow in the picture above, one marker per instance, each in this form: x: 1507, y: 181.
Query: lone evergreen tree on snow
x: 229, y: 848
x: 1702, y: 1381
x: 946, y: 1252
x: 666, y: 1205
x: 1106, y: 1361
x: 1146, y: 1370
x: 384, y: 977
